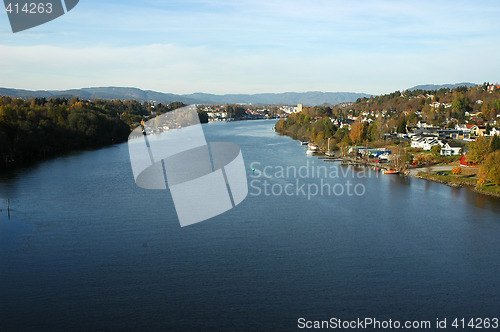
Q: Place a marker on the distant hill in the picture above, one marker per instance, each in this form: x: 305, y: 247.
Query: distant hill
x: 100, y: 93
x: 287, y: 98
x: 429, y: 87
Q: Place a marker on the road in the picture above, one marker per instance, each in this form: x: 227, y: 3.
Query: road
x: 414, y: 171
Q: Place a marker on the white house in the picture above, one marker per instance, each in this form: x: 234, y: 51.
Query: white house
x: 451, y: 149
x: 423, y: 124
x: 424, y: 142
x: 495, y: 131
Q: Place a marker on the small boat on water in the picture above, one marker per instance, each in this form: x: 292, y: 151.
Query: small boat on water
x: 312, y: 148
x: 303, y: 142
x: 391, y: 171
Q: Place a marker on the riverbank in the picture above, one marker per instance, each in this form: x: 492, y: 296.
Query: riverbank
x: 468, y: 181
x: 437, y: 173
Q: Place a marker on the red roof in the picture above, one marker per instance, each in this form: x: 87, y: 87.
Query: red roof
x: 469, y: 126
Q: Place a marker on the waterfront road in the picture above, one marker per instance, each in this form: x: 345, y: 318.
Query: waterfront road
x: 414, y: 171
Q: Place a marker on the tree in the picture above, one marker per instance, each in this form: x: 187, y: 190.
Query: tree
x: 460, y: 105
x: 487, y: 129
x: 436, y: 150
x: 495, y: 143
x: 401, y: 125
x: 420, y: 159
x: 491, y: 167
x: 478, y: 150
x: 358, y: 131
x: 457, y: 170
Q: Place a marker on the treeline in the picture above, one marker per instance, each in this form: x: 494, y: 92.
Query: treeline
x: 39, y: 128
x: 392, y: 113
x: 417, y: 104
x: 315, y: 125
x: 485, y: 151
x: 308, y: 125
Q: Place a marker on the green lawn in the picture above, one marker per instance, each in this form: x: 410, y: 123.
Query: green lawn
x: 490, y: 188
x: 470, y: 180
x: 450, y: 177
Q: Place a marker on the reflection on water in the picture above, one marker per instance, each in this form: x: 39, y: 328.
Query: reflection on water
x: 456, y: 193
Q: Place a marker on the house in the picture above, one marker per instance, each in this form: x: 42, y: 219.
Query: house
x: 495, y: 131
x: 474, y: 129
x: 465, y: 163
x: 464, y: 132
x: 492, y: 88
x: 423, y: 124
x: 430, y: 143
x: 424, y: 142
x: 451, y: 149
x: 417, y: 142
x: 481, y: 130
x: 371, y: 152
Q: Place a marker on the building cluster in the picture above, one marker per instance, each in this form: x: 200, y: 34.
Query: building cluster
x: 291, y: 109
x: 219, y: 112
x: 425, y: 137
x: 215, y: 112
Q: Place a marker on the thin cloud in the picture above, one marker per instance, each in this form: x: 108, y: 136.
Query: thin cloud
x: 257, y: 46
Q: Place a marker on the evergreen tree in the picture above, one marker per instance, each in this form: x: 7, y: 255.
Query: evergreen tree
x: 495, y: 143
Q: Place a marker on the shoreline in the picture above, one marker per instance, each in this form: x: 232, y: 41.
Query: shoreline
x: 409, y: 173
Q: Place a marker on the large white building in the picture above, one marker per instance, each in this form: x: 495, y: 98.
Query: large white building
x: 424, y: 142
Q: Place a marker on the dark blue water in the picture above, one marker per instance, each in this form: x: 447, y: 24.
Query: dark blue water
x: 85, y: 248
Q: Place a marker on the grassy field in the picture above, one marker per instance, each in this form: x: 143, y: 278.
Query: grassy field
x: 467, y: 178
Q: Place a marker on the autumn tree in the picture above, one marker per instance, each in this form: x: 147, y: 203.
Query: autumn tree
x: 358, y: 131
x: 478, y: 150
x: 457, y: 170
x: 491, y: 167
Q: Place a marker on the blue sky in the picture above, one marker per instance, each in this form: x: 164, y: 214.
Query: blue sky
x: 219, y: 46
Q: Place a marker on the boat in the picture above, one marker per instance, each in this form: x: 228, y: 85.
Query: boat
x: 303, y: 143
x: 312, y: 148
x: 329, y: 153
x: 391, y: 171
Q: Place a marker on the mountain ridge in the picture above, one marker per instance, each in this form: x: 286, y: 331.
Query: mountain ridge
x: 310, y: 98
x: 430, y: 87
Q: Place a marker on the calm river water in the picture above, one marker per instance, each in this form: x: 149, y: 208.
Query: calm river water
x: 85, y: 248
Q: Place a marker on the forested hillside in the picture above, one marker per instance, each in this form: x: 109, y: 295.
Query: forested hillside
x: 40, y: 128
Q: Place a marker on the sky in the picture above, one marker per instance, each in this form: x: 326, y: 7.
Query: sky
x: 258, y: 46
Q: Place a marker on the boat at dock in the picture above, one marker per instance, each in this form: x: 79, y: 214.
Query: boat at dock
x: 391, y: 171
x: 329, y: 153
x: 312, y: 148
x: 303, y: 142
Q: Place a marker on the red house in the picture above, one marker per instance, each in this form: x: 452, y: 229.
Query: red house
x: 465, y: 163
